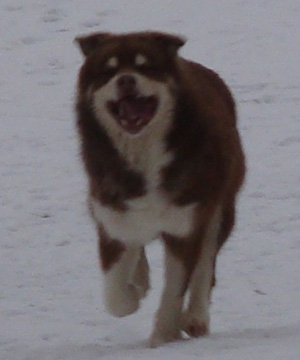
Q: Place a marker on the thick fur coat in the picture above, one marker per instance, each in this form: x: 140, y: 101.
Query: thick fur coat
x: 163, y: 156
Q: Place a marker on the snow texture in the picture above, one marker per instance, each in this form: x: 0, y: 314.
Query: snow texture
x: 50, y: 285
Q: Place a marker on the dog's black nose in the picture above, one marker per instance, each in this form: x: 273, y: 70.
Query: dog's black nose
x: 126, y: 85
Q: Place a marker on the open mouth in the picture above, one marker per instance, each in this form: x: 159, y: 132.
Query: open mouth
x: 133, y: 112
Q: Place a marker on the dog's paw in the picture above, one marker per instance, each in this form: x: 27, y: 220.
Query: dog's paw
x: 122, y: 302
x: 163, y: 336
x: 195, y: 326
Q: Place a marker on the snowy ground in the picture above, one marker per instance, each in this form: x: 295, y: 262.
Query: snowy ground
x: 50, y: 286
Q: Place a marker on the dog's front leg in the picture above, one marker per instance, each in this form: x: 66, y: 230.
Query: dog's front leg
x: 120, y: 263
x: 196, y: 319
x: 167, y: 325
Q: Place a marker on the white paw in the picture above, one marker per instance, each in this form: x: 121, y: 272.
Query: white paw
x: 123, y: 301
x: 162, y: 336
x: 195, y: 325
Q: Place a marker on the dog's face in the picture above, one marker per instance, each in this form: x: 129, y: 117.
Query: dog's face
x: 129, y: 79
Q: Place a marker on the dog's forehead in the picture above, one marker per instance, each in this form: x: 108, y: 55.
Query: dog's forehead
x: 132, y: 47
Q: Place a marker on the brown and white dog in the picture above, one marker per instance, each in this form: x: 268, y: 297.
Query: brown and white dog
x: 164, y: 160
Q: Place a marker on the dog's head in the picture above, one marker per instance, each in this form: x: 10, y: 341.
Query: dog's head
x: 129, y: 79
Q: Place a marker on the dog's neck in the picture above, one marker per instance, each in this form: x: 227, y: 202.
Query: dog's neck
x: 145, y: 153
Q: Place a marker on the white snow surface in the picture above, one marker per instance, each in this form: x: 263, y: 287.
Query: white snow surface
x: 50, y: 285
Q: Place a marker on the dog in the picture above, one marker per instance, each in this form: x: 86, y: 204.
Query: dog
x: 164, y: 160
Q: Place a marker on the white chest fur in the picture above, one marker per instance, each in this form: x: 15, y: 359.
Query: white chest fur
x: 145, y: 220
x: 153, y: 213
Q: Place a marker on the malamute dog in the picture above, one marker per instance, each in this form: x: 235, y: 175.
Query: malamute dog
x: 164, y: 160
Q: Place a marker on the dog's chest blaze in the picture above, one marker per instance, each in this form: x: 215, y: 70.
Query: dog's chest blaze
x: 147, y: 216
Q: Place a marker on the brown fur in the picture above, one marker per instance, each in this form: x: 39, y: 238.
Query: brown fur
x: 110, y: 250
x: 209, y: 163
x: 208, y: 166
x: 209, y: 160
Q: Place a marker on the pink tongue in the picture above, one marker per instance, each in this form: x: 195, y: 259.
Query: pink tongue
x: 130, y: 110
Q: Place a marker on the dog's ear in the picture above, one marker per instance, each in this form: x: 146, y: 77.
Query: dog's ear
x: 170, y: 42
x: 90, y: 43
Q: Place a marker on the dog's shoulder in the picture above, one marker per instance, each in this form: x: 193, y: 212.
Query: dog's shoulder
x: 206, y: 86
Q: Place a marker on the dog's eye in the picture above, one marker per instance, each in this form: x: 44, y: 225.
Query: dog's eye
x: 149, y: 70
x: 109, y: 70
x: 144, y: 64
x: 107, y: 73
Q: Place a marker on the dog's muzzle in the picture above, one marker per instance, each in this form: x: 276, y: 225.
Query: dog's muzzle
x: 132, y: 110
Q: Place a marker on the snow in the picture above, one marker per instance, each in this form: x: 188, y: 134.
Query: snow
x: 50, y: 285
